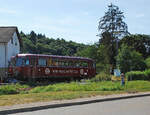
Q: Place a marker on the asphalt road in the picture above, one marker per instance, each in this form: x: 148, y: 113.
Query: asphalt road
x: 133, y: 106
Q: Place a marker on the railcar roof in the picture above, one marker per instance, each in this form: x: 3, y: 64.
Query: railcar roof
x: 54, y: 56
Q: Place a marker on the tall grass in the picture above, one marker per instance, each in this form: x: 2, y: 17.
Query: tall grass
x: 75, y: 86
x: 12, y: 89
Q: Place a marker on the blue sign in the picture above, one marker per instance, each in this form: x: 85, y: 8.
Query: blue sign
x: 117, y: 72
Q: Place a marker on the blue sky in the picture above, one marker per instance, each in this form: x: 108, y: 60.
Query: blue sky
x: 75, y: 20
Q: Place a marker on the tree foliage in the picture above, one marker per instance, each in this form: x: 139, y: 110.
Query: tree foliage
x: 40, y: 44
x: 107, y: 41
x: 147, y: 61
x: 90, y: 52
x: 138, y: 42
x: 112, y: 27
x: 113, y: 23
x: 129, y: 59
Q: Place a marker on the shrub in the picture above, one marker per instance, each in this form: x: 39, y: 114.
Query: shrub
x: 138, y: 75
x: 128, y: 59
x: 147, y: 73
x: 101, y: 77
x: 147, y: 61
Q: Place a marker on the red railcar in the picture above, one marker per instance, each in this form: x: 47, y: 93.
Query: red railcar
x: 30, y: 66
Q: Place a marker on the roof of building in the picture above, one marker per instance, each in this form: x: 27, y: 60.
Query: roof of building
x: 6, y: 33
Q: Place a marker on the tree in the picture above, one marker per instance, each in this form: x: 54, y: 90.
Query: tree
x: 39, y: 43
x: 140, y: 43
x: 112, y: 27
x: 129, y: 59
x: 147, y: 61
x: 33, y: 37
x: 28, y: 46
x: 103, y: 59
x: 90, y: 52
x: 107, y: 41
x: 113, y: 23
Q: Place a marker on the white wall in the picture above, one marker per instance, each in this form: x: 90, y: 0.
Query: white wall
x: 3, y: 55
x: 14, y: 48
x: 8, y: 49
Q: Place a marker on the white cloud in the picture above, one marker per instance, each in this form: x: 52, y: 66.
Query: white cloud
x: 63, y: 25
x: 7, y: 11
x: 86, y: 13
x: 140, y: 15
x: 70, y: 21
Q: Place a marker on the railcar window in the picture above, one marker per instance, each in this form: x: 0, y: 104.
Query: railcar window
x: 94, y: 65
x: 33, y: 61
x: 56, y: 63
x: 42, y: 62
x: 77, y: 64
x: 66, y: 64
x: 12, y: 62
x: 53, y: 62
x: 50, y: 62
x: 63, y: 63
x: 84, y: 64
x: 19, y: 62
x: 27, y: 62
x: 59, y: 63
x: 70, y: 63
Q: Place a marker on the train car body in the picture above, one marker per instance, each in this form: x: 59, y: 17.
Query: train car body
x: 26, y: 66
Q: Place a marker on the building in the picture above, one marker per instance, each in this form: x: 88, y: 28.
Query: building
x: 10, y: 44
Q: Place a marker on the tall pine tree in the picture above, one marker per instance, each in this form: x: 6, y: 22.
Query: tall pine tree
x: 113, y: 23
x: 112, y: 27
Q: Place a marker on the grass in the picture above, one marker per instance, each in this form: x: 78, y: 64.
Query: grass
x: 19, y: 94
x: 75, y: 86
x: 94, y: 86
x: 7, y: 100
x: 138, y: 86
x: 13, y: 89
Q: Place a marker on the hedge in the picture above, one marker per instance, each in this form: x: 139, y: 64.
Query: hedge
x: 138, y: 75
x: 101, y: 77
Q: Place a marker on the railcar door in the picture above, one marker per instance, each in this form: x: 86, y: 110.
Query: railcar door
x: 41, y: 65
x: 33, y: 63
x: 26, y: 68
x: 92, y: 69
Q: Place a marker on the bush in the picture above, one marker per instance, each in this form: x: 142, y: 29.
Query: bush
x: 138, y: 75
x: 128, y: 59
x: 147, y: 61
x: 104, y: 68
x: 101, y: 77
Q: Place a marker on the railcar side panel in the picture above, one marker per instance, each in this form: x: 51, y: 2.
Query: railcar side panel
x: 41, y: 66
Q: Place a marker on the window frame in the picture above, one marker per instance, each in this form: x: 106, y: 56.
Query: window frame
x: 41, y: 62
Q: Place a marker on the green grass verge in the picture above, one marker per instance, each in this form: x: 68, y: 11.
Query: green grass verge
x: 94, y: 86
x: 7, y: 100
x: 75, y: 86
x: 13, y: 89
x: 25, y: 94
